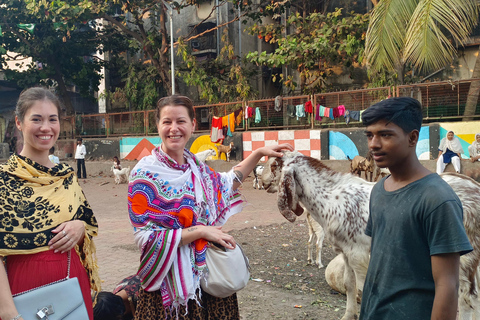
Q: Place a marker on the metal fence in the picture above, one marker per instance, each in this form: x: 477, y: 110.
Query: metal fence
x: 440, y: 100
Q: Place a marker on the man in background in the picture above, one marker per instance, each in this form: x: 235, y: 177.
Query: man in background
x: 80, y: 153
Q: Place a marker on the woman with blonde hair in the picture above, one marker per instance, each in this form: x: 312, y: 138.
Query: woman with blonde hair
x: 44, y: 216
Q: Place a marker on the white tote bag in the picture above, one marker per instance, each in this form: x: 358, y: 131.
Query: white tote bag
x: 228, y: 271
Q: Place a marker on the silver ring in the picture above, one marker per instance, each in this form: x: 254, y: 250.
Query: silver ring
x: 64, y: 233
x: 66, y: 236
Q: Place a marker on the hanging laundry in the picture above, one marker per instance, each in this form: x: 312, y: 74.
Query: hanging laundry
x: 300, y: 111
x: 278, y: 103
x: 326, y: 112
x: 238, y: 114
x: 355, y: 115
x: 291, y: 110
x: 341, y: 110
x: 216, y: 133
x: 247, y: 108
x: 335, y: 113
x: 308, y: 107
x: 250, y: 112
x: 330, y: 113
x: 230, y: 124
x: 258, y: 116
x: 318, y: 117
x: 347, y: 116
x: 360, y: 117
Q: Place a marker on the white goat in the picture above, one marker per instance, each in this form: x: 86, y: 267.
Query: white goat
x: 203, y: 155
x: 257, y: 173
x: 316, y: 235
x: 121, y: 176
x: 340, y: 201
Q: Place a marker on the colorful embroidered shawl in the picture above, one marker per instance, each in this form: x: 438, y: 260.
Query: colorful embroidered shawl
x: 164, y: 198
x: 34, y: 200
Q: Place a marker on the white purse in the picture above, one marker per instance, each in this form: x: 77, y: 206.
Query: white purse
x: 228, y: 271
x: 61, y: 299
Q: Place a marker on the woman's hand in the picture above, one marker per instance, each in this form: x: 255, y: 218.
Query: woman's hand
x: 275, y: 150
x: 209, y: 233
x: 69, y: 234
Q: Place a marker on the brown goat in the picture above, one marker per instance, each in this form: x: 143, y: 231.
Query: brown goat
x: 225, y: 149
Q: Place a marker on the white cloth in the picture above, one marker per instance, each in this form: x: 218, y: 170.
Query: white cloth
x: 80, y: 152
x: 441, y: 165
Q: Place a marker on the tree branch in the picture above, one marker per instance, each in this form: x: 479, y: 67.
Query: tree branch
x: 122, y: 27
x: 208, y: 17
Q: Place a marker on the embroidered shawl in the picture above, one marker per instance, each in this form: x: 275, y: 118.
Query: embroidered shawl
x: 453, y: 145
x: 34, y: 200
x: 164, y: 198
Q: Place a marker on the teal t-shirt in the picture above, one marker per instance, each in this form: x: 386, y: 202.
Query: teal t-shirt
x: 407, y: 227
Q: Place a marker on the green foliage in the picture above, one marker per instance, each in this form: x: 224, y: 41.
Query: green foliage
x: 218, y: 80
x: 62, y: 53
x: 317, y: 43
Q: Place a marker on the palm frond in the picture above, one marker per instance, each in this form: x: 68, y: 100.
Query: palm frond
x: 435, y: 24
x: 386, y: 33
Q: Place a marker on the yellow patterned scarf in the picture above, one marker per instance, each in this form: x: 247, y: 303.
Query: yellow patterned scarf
x: 34, y: 200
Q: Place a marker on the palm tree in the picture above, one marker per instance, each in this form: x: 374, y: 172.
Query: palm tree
x: 423, y: 33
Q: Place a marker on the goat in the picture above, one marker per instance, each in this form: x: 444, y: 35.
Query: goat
x: 203, y: 155
x: 121, y: 175
x: 359, y: 164
x: 225, y: 149
x: 316, y: 235
x: 257, y: 172
x: 340, y: 203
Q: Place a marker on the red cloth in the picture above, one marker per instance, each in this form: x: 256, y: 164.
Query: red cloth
x: 308, y: 107
x: 29, y: 271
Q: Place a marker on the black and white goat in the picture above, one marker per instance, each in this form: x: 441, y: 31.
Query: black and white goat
x: 257, y: 173
x: 339, y: 202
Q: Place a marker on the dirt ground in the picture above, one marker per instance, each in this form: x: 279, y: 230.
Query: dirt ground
x: 282, y: 285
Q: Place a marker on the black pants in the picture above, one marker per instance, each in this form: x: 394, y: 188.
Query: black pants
x: 81, y: 168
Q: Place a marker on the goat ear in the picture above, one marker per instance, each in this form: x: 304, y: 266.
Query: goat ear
x: 287, y: 198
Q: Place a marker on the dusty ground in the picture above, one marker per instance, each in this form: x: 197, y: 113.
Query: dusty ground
x: 282, y: 286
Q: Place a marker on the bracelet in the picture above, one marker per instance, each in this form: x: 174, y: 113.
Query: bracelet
x: 17, y: 317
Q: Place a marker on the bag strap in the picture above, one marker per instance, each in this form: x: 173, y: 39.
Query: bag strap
x: 45, y: 285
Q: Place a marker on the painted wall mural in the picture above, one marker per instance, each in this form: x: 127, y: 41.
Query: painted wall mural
x: 352, y: 142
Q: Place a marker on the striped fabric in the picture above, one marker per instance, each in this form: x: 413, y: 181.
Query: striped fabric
x: 164, y: 198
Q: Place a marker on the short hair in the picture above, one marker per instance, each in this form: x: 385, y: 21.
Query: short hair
x: 29, y: 96
x: 175, y: 100
x: 405, y: 112
x: 108, y: 306
x: 79, y: 139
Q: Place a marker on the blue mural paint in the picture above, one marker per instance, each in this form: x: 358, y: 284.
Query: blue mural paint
x: 128, y: 143
x: 341, y: 146
x: 423, y: 145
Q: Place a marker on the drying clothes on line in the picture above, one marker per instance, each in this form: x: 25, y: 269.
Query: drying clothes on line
x: 318, y: 117
x: 278, y: 103
x: 216, y: 133
x: 231, y: 124
x: 326, y: 112
x: 360, y: 118
x: 258, y: 116
x: 291, y: 110
x: 238, y: 117
x: 341, y: 110
x: 300, y: 111
x: 308, y: 107
x: 335, y: 113
x: 352, y: 115
x: 330, y: 113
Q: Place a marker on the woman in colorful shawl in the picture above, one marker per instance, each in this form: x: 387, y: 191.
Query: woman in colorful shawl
x: 474, y: 149
x: 450, y: 150
x: 177, y: 204
x: 43, y: 212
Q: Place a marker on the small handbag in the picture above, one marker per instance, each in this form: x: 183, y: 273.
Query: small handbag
x: 228, y: 271
x: 60, y: 299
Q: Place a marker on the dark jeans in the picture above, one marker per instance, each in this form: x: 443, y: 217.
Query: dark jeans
x: 81, y: 168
